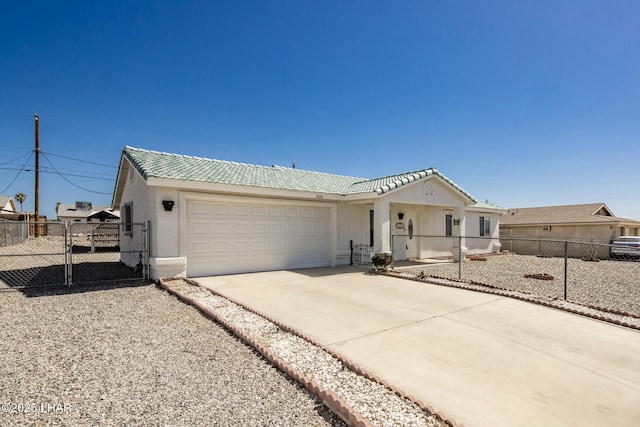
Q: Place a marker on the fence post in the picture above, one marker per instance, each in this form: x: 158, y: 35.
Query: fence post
x: 566, y: 264
x: 459, y: 257
x: 147, y: 244
x: 392, y: 245
x: 67, y: 254
x: 351, y: 248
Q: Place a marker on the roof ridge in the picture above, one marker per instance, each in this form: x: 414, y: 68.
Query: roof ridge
x: 433, y: 169
x: 230, y: 162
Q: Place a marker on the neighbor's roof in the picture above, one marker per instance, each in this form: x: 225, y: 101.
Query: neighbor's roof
x: 188, y: 168
x: 4, y: 200
x: 71, y: 211
x: 567, y: 214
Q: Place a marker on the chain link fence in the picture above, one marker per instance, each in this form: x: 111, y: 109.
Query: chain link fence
x: 582, y: 272
x: 76, y: 253
x: 13, y: 232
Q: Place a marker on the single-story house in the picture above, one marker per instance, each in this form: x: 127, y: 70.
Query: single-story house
x: 592, y: 223
x: 85, y: 212
x: 211, y: 217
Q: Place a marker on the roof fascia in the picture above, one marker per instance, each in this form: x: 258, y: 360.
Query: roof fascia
x: 121, y: 181
x: 606, y: 208
x: 497, y: 209
x: 440, y: 178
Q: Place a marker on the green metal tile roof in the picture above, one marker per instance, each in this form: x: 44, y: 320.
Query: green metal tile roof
x: 188, y: 168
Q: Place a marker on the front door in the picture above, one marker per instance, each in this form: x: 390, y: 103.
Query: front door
x: 406, y: 242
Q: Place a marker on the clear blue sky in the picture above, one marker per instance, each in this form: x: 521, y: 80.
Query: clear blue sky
x: 523, y: 103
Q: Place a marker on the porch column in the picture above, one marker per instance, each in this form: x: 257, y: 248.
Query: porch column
x: 462, y: 232
x: 382, y: 225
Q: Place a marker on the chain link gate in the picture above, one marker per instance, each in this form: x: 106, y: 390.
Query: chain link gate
x: 107, y: 251
x: 74, y: 253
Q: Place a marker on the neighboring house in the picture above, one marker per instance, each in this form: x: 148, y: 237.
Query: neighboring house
x: 583, y: 223
x: 85, y: 212
x: 213, y: 217
x: 7, y: 207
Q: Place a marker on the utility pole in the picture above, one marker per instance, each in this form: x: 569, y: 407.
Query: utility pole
x: 37, y: 189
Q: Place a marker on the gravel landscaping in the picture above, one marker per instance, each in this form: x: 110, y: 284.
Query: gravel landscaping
x: 129, y: 353
x: 122, y: 356
x: 614, y: 285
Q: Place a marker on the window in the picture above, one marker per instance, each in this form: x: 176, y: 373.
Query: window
x: 127, y: 221
x: 370, y: 228
x: 485, y: 226
x: 448, y: 225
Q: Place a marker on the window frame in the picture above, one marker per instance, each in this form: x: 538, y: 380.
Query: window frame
x: 485, y: 226
x: 371, y: 228
x: 127, y: 219
x: 448, y: 225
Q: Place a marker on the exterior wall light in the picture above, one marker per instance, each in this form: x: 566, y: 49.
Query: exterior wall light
x: 168, y: 205
x: 400, y: 215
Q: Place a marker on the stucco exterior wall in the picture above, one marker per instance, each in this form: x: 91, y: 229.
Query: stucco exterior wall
x: 137, y: 194
x: 352, y: 225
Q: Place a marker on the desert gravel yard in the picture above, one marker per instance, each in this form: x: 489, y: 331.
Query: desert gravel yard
x: 135, y: 356
x: 614, y: 285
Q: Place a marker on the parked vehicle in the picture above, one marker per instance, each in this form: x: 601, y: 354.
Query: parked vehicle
x: 626, y: 246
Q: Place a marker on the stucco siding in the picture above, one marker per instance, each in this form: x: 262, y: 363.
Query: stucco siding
x: 137, y: 194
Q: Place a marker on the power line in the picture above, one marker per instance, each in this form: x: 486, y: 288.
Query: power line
x: 19, y: 157
x: 80, y: 160
x: 43, y: 169
x: 72, y: 183
x: 17, y: 175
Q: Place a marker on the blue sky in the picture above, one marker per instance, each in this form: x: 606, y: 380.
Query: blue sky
x: 527, y: 103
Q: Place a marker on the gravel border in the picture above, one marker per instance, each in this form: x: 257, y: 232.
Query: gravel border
x: 99, y: 355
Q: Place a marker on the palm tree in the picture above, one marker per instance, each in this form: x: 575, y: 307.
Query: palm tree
x: 21, y: 197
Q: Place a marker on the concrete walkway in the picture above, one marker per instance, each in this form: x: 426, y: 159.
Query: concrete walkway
x: 480, y: 359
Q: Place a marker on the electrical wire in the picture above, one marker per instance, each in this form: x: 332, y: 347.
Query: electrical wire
x: 80, y: 160
x: 19, y: 157
x: 17, y: 175
x: 72, y: 183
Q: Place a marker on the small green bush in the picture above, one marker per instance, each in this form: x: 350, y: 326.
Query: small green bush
x: 382, y: 259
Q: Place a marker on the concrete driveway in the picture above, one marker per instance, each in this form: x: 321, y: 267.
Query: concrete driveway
x: 481, y: 359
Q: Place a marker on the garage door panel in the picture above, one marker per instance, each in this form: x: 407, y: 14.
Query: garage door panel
x: 199, y: 227
x: 276, y: 245
x: 199, y: 209
x: 276, y: 228
x: 259, y: 245
x: 221, y: 210
x: 275, y: 212
x: 241, y: 228
x: 291, y: 228
x: 200, y: 247
x: 226, y: 238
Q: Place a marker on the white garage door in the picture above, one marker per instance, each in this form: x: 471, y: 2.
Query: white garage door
x: 232, y: 237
